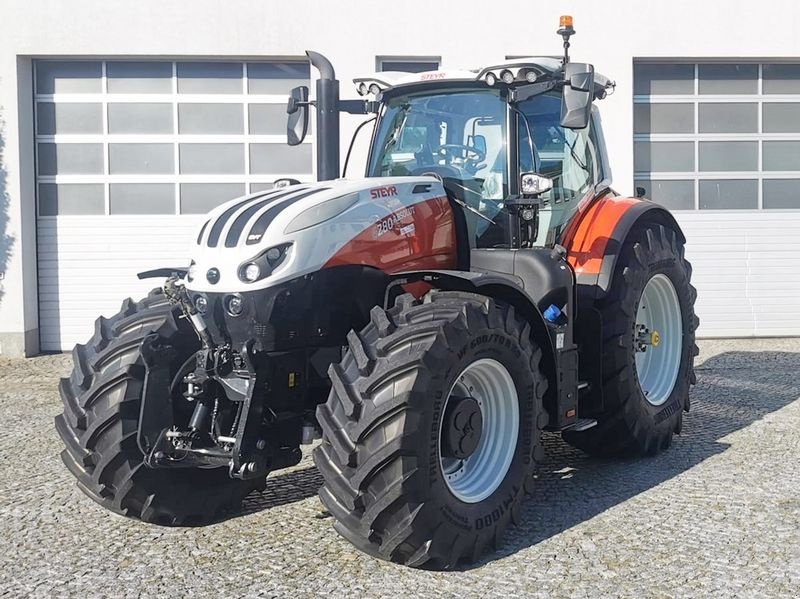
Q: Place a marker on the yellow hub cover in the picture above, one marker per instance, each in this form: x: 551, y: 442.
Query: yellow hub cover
x: 655, y: 338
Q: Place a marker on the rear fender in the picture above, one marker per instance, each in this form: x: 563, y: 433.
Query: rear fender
x: 595, y: 241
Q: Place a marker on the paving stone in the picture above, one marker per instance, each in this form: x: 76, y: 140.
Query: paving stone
x: 717, y: 515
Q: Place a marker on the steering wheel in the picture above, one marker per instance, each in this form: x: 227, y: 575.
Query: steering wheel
x: 466, y: 153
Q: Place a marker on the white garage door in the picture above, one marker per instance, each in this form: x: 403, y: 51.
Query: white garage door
x: 720, y: 145
x: 129, y: 154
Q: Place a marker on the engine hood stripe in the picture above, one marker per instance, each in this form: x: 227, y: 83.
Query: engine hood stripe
x: 259, y: 228
x: 203, y: 230
x: 222, y: 219
x: 235, y: 232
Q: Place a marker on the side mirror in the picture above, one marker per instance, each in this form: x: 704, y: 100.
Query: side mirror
x: 297, y: 109
x: 577, y: 96
x: 532, y: 184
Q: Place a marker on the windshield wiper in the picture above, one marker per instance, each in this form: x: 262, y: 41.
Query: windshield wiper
x: 571, y: 147
x: 464, y: 204
x: 395, y: 135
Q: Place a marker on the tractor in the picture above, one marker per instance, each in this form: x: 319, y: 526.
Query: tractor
x: 421, y: 326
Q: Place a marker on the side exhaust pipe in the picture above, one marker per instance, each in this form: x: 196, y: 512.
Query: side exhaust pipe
x: 327, y: 104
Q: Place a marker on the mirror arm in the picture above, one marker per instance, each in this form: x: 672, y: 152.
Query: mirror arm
x: 293, y: 105
x: 525, y: 92
x: 359, y: 106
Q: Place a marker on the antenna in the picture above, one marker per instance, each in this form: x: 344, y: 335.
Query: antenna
x: 565, y: 30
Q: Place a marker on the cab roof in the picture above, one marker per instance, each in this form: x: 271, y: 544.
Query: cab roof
x: 544, y: 68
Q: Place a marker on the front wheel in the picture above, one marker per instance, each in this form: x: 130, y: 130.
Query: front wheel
x: 431, y: 428
x: 99, y: 425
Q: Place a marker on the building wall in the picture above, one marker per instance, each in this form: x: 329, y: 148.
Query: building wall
x: 610, y: 35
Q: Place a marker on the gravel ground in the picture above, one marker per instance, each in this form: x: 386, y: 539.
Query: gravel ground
x: 718, y: 515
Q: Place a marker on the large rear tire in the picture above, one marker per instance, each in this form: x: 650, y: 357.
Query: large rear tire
x: 648, y: 348
x: 99, y: 424
x: 399, y: 488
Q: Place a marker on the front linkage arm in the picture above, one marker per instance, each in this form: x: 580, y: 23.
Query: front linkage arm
x: 217, y: 374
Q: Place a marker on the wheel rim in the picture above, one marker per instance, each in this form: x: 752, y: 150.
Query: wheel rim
x: 658, y: 339
x: 476, y: 477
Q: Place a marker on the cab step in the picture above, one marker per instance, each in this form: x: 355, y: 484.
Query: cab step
x: 581, y: 424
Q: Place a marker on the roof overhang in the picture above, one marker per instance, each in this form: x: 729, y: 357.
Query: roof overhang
x: 523, y: 70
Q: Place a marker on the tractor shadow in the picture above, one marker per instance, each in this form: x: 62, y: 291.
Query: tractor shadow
x: 284, y: 488
x: 734, y: 390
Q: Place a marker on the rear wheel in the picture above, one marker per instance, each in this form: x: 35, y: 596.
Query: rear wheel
x: 102, y: 398
x: 431, y: 428
x: 648, y: 347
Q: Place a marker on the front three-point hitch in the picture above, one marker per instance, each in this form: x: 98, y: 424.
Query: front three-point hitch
x: 218, y: 414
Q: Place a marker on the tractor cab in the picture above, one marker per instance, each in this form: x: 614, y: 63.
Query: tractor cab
x: 517, y: 145
x: 481, y: 140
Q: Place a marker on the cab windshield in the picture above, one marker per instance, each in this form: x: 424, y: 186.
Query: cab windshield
x: 459, y: 136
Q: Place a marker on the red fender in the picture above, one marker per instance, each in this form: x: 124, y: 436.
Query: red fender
x: 595, y: 235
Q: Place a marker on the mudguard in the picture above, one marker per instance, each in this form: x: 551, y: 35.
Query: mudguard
x: 496, y: 285
x: 594, y: 239
x: 506, y: 288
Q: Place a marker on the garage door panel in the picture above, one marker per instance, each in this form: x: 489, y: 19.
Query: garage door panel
x: 130, y: 154
x: 86, y: 271
x: 739, y: 200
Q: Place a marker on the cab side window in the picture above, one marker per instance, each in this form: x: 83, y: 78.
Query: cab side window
x: 568, y: 156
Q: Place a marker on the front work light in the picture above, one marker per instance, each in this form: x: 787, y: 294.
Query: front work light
x: 533, y: 184
x: 234, y: 305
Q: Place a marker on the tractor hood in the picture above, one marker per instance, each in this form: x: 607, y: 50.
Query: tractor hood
x: 266, y: 238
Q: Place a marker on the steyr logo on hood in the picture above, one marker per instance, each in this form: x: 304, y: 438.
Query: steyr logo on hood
x: 382, y: 192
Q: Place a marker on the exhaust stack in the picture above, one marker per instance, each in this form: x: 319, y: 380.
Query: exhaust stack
x: 327, y: 103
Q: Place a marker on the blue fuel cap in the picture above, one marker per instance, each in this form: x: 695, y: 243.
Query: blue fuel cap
x: 552, y: 313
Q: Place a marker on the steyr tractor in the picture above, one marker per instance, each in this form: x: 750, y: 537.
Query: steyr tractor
x: 483, y: 283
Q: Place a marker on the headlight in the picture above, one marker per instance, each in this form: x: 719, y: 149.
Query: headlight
x: 262, y: 265
x: 273, y: 254
x: 320, y: 213
x: 251, y: 272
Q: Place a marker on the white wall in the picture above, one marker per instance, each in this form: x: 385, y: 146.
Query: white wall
x: 351, y: 33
